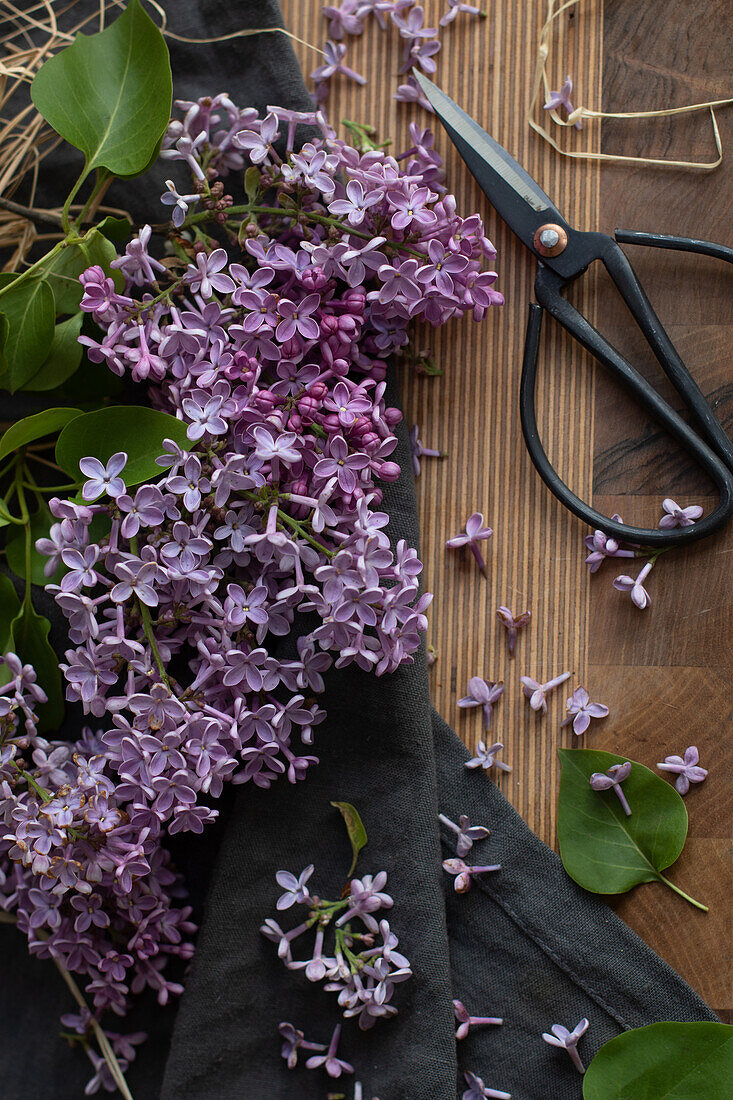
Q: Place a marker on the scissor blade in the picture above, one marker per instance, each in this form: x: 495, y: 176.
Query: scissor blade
x: 511, y: 191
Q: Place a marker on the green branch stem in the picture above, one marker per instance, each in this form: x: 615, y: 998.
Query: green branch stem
x: 37, y: 266
x: 296, y: 214
x: 42, y: 793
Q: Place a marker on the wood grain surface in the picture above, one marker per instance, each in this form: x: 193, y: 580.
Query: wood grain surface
x: 665, y: 673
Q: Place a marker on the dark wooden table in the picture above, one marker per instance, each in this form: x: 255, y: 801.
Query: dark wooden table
x: 665, y: 673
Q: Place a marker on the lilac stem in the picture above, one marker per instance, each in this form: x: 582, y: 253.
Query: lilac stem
x: 485, y: 1020
x: 448, y: 823
x: 575, y: 1058
x: 478, y: 556
x: 622, y: 799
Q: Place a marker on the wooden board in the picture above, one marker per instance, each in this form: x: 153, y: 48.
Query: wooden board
x: 664, y: 673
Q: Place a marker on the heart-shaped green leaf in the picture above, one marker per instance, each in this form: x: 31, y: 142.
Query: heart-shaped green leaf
x: 63, y: 270
x: 602, y: 849
x: 109, y: 94
x: 30, y: 312
x: 29, y: 639
x: 15, y: 550
x: 355, y: 829
x: 34, y: 427
x: 666, y: 1061
x: 138, y: 431
x: 63, y: 358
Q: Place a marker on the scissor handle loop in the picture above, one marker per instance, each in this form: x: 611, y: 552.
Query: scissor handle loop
x: 644, y: 536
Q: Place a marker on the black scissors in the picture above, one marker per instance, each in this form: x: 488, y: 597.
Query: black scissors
x: 564, y: 254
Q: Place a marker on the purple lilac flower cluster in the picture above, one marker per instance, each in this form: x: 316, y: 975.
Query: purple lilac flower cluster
x: 363, y: 967
x: 274, y: 356
x: 82, y: 866
x: 420, y: 43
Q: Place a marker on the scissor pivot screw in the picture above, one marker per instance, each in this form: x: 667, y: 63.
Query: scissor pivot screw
x: 550, y: 240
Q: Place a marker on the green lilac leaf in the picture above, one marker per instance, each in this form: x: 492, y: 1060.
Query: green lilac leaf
x: 355, y: 829
x: 64, y: 357
x: 109, y: 94
x: 602, y: 849
x: 9, y: 608
x: 63, y: 270
x: 35, y: 427
x: 115, y: 229
x: 15, y: 549
x: 252, y: 179
x: 4, y: 330
x: 138, y: 431
x: 30, y: 312
x: 666, y: 1061
x: 29, y: 639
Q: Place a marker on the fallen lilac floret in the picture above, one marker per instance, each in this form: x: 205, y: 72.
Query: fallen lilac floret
x: 537, y: 693
x: 613, y: 778
x: 475, y: 533
x: 512, y: 625
x: 674, y: 516
x: 568, y: 1040
x: 562, y: 99
x: 635, y: 587
x: 486, y: 757
x: 581, y: 710
x: 464, y: 874
x: 465, y: 1021
x: 465, y: 831
x: 418, y: 451
x: 477, y: 1090
x: 333, y: 1066
x: 604, y: 546
x: 685, y: 768
x: 482, y: 693
x: 294, y: 1041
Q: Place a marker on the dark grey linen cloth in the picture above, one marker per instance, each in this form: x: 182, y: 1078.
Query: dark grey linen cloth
x: 526, y: 943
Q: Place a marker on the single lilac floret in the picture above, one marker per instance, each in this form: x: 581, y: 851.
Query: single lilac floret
x: 568, y: 1040
x: 604, y: 546
x: 613, y: 778
x: 477, y: 1090
x: 581, y: 710
x: 537, y: 693
x: 475, y: 533
x: 639, y: 594
x: 463, y: 874
x: 562, y: 99
x: 295, y: 888
x: 465, y: 831
x: 685, y: 768
x: 482, y: 693
x: 486, y: 757
x: 293, y: 1041
x: 333, y: 1066
x: 419, y: 451
x: 679, y: 517
x: 465, y: 1021
x: 512, y: 625
x: 101, y: 478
